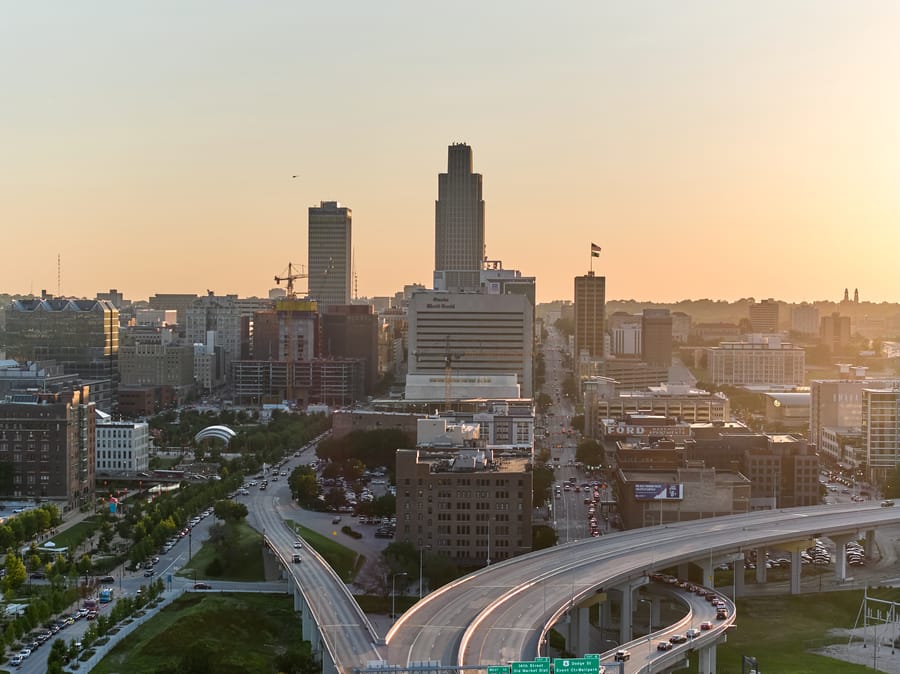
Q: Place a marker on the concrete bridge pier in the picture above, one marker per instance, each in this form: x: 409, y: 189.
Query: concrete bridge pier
x: 869, y: 545
x: 626, y: 614
x: 707, y: 660
x: 840, y: 554
x: 578, y: 639
x: 761, y: 565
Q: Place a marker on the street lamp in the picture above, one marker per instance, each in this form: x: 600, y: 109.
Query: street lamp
x: 649, y: 626
x: 394, y: 593
x: 421, y: 560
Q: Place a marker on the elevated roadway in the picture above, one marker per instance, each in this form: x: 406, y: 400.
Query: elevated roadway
x: 503, y: 612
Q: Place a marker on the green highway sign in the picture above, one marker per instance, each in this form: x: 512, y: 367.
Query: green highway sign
x: 536, y: 667
x: 499, y: 669
x: 576, y: 665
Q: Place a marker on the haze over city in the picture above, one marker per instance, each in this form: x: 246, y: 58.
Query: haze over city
x: 717, y: 150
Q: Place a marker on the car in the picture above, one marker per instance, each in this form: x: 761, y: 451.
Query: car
x: 623, y: 655
x: 678, y: 638
x: 663, y: 646
x: 38, y: 575
x: 25, y: 652
x: 887, y: 503
x: 297, y: 559
x: 92, y: 615
x: 202, y: 586
x: 298, y: 544
x: 148, y: 573
x: 336, y: 519
x: 16, y: 660
x: 721, y: 614
x: 692, y: 633
x: 107, y: 580
x: 706, y: 625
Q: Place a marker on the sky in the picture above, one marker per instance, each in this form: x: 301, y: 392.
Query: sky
x: 713, y: 149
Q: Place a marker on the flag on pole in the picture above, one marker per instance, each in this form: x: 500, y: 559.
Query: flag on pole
x: 595, y: 250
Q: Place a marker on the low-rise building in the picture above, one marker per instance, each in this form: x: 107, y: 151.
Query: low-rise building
x: 122, y: 446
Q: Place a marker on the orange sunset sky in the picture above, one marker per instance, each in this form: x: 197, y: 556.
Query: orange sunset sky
x: 713, y: 149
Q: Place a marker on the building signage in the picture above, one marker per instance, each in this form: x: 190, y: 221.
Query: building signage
x: 498, y: 669
x: 535, y: 667
x: 658, y: 491
x: 635, y: 431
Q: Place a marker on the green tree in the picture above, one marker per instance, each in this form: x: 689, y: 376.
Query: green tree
x: 304, y: 487
x: 542, y: 537
x: 230, y: 511
x: 15, y: 574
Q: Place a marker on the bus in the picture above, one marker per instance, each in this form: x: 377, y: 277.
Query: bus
x: 106, y: 595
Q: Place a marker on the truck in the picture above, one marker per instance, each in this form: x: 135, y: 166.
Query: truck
x: 106, y: 595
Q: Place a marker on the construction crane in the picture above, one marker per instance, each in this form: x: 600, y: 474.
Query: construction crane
x: 290, y: 278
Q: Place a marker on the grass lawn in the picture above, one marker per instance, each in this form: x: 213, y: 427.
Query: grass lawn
x: 343, y: 560
x: 232, y: 632
x: 76, y: 534
x: 246, y: 564
x: 779, y: 631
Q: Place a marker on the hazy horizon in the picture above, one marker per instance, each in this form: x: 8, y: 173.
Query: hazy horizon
x: 713, y: 149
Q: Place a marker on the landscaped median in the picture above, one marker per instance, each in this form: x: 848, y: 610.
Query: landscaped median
x: 345, y: 562
x: 217, y: 632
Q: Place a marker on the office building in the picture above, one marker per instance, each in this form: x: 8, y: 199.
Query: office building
x: 214, y: 322
x: 590, y: 315
x: 458, y: 223
x: 880, y: 423
x: 656, y: 337
x: 351, y: 331
x: 330, y: 253
x: 765, y: 359
x: 835, y: 403
x: 122, y: 446
x: 763, y: 316
x: 835, y: 331
x: 464, y: 505
x: 625, y: 334
x: 681, y: 327
x: 805, y: 319
x: 80, y: 335
x: 47, y: 443
x: 179, y: 302
x: 470, y: 336
x: 150, y: 357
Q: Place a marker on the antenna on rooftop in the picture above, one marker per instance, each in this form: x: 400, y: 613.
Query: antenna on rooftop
x: 58, y: 275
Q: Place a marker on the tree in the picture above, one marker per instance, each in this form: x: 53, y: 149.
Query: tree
x: 230, y: 511
x: 304, y: 487
x: 543, y: 537
x: 298, y: 659
x: 15, y: 574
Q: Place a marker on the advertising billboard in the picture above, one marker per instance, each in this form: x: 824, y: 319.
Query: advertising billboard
x: 658, y: 491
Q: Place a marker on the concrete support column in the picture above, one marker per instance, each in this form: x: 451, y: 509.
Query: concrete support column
x: 869, y: 545
x: 840, y: 556
x: 655, y: 606
x: 738, y: 578
x: 707, y: 660
x: 709, y: 579
x: 298, y: 599
x: 796, y: 567
x: 307, y: 624
x: 579, y: 632
x: 761, y: 565
x: 625, y: 614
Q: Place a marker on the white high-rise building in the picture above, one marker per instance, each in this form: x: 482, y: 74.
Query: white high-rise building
x: 330, y: 253
x: 881, y: 430
x: 478, y: 335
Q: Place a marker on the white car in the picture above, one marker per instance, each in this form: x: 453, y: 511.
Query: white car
x: 298, y: 544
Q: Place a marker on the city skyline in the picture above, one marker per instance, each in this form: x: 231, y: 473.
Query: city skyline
x: 712, y: 149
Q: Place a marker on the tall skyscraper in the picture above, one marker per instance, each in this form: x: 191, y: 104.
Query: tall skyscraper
x: 458, y: 223
x: 764, y: 316
x: 590, y: 315
x: 329, y: 253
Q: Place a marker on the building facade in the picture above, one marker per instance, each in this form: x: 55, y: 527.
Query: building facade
x: 122, y: 447
x: 763, y: 316
x: 464, y: 505
x: 330, y: 262
x: 459, y: 223
x: 880, y: 423
x: 471, y: 335
x: 80, y: 335
x: 765, y: 360
x: 590, y: 315
x: 47, y: 442
x: 656, y: 337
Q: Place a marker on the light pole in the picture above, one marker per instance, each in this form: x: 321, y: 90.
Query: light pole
x: 422, y: 549
x: 394, y: 594
x: 649, y: 625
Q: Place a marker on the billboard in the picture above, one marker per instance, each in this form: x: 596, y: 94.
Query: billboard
x: 658, y: 491
x: 629, y: 430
